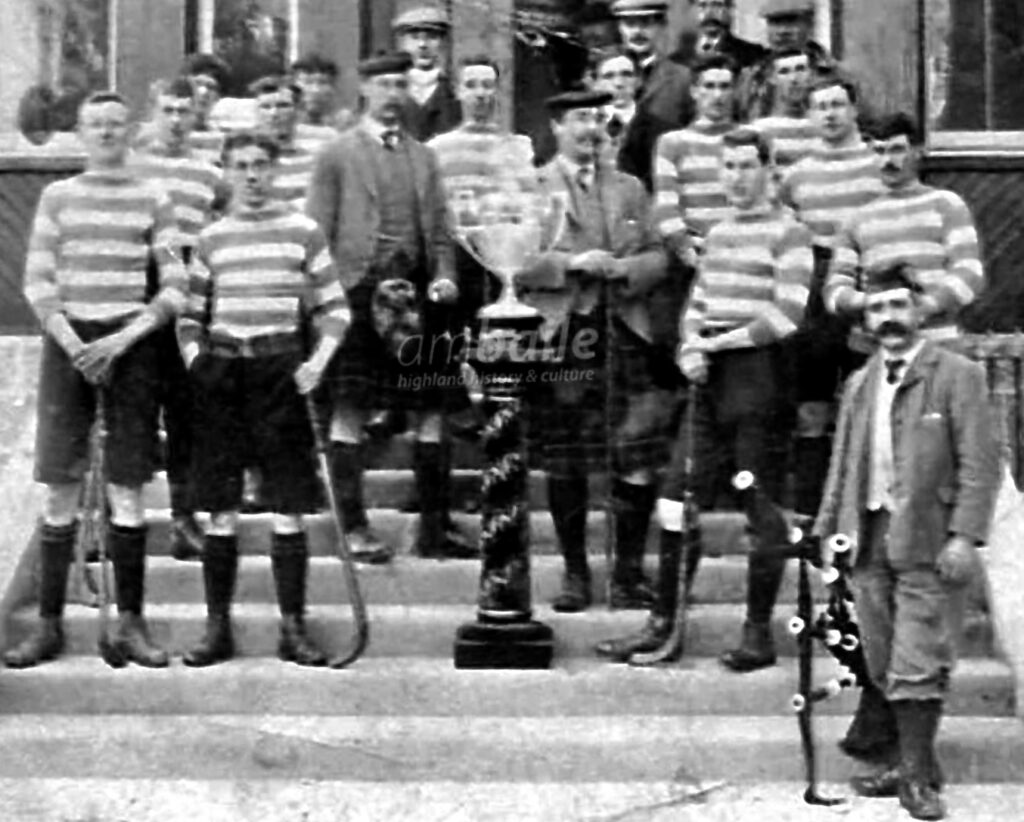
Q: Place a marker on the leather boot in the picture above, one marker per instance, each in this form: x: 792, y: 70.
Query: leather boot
x: 289, y: 558
x: 567, y: 499
x: 633, y: 506
x: 694, y: 553
x: 347, y: 476
x: 659, y: 623
x: 757, y: 649
x: 872, y: 735
x: 127, y: 549
x: 764, y: 578
x: 220, y: 570
x: 46, y: 642
x: 435, y: 541
x: 920, y: 789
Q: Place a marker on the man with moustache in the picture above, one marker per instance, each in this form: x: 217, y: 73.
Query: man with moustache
x: 431, y: 106
x: 379, y: 197
x: 792, y: 133
x: 663, y: 100
x: 595, y: 287
x: 713, y: 35
x: 913, y: 481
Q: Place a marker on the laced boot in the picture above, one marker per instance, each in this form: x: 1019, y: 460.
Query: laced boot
x: 347, y: 476
x: 220, y: 570
x: 872, y: 735
x: 127, y: 547
x: 56, y: 547
x: 920, y: 789
x: 289, y: 556
x: 764, y: 578
x: 567, y: 498
x: 436, y: 540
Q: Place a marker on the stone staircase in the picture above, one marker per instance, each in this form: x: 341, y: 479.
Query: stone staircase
x: 402, y: 733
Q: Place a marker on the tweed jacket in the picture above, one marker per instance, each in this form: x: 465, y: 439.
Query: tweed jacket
x: 440, y: 112
x: 626, y: 231
x: 342, y: 198
x: 946, y: 457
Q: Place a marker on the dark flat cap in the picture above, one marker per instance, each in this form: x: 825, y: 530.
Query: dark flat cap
x: 578, y: 98
x: 397, y: 62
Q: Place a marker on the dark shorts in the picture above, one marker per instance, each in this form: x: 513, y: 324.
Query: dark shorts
x: 248, y: 412
x: 176, y: 416
x: 741, y: 422
x: 578, y: 419
x: 67, y: 407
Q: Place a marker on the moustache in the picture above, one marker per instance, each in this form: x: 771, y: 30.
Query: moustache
x: 892, y: 168
x: 892, y: 327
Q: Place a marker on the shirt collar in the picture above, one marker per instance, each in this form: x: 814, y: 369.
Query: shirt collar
x: 424, y: 77
x: 907, y: 356
x: 376, y: 129
x: 572, y: 167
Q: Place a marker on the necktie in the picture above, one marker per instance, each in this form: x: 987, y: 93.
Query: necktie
x: 894, y: 370
x: 585, y: 178
x: 390, y: 139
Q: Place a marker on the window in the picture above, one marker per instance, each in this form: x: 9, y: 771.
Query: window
x: 973, y: 56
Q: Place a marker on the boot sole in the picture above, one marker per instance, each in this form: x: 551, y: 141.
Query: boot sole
x: 21, y: 665
x: 746, y: 667
x: 318, y: 663
x: 206, y: 662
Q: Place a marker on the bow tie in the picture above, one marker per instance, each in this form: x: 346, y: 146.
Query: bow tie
x: 390, y: 138
x: 894, y: 370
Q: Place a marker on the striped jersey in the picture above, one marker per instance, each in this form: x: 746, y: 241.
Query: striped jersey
x: 193, y: 184
x: 292, y: 175
x: 260, y: 275
x: 476, y: 163
x: 792, y: 138
x: 754, y: 275
x: 931, y: 229
x: 207, y: 144
x: 90, y: 247
x: 688, y: 191
x: 827, y: 186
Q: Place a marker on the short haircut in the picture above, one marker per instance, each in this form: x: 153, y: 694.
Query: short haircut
x: 888, y: 126
x: 747, y: 136
x: 107, y: 96
x: 791, y: 51
x: 711, y: 62
x: 178, y: 87
x: 272, y: 84
x: 480, y: 60
x: 315, y: 64
x: 244, y: 139
x: 897, y: 275
x: 209, y: 64
x: 832, y: 79
x: 602, y: 55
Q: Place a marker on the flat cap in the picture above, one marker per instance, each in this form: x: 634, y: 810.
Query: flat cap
x: 639, y: 8
x: 786, y: 8
x: 578, y: 98
x: 419, y: 18
x: 397, y: 62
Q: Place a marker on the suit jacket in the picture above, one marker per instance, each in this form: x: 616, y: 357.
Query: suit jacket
x: 627, y: 232
x: 440, y: 113
x: 342, y: 198
x: 946, y: 457
x: 743, y: 52
x: 664, y: 104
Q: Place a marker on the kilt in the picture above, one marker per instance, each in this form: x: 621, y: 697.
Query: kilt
x: 569, y: 410
x: 424, y: 376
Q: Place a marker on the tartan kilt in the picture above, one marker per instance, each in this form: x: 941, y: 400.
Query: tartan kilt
x: 568, y: 411
x: 364, y: 373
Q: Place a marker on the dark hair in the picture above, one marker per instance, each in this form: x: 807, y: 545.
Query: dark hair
x: 747, y: 136
x: 178, y: 87
x: 107, y: 96
x: 832, y: 79
x: 272, y: 84
x: 897, y: 275
x: 480, y: 60
x: 315, y: 64
x: 711, y: 62
x: 792, y: 51
x: 244, y: 139
x: 209, y: 64
x: 35, y: 110
x: 887, y: 126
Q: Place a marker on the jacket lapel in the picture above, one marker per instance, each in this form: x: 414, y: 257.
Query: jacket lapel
x: 367, y: 171
x: 611, y: 205
x: 421, y: 177
x: 919, y: 368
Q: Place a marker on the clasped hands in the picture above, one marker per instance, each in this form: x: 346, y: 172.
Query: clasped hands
x: 599, y: 264
x: 95, y: 360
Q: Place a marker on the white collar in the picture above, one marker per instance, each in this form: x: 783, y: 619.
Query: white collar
x: 375, y: 128
x: 907, y: 357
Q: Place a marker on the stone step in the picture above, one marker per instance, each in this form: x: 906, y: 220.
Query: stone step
x: 272, y: 797
x: 480, y: 750
x: 723, y: 532
x: 409, y: 580
x: 417, y: 685
x: 429, y: 630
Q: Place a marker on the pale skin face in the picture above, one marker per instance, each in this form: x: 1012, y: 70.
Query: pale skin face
x: 103, y: 130
x: 791, y: 77
x: 277, y: 115
x: 425, y: 46
x: 317, y: 93
x: 249, y: 171
x: 833, y: 114
x: 580, y: 134
x: 713, y: 16
x: 478, y: 93
x: 174, y: 118
x: 207, y: 95
x: 642, y: 34
x: 897, y: 160
x: 385, y: 95
x: 714, y: 93
x: 789, y: 31
x: 617, y: 76
x: 893, y: 317
x: 744, y: 177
